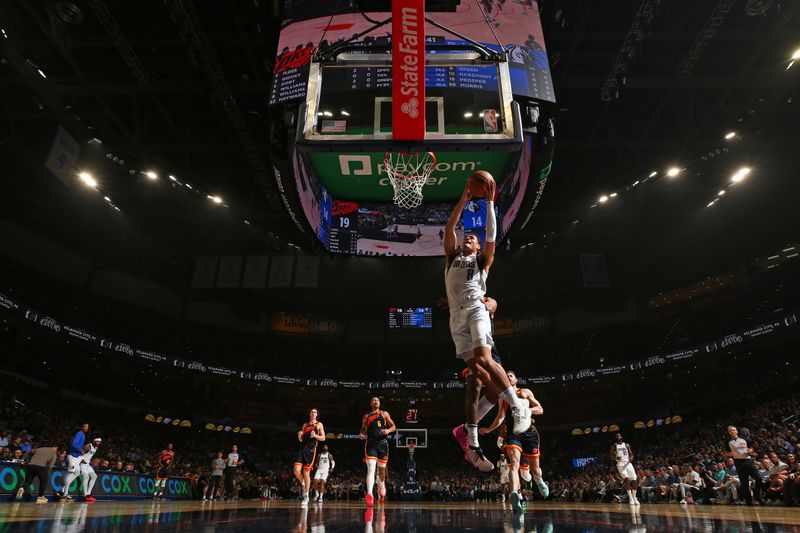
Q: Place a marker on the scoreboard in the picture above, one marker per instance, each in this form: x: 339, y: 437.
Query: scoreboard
x: 410, y: 318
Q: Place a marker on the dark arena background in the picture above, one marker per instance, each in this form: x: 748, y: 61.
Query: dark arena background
x: 223, y: 235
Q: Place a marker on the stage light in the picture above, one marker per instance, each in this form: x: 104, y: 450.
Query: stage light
x: 152, y: 175
x: 468, y: 114
x: 730, y: 135
x: 721, y: 193
x: 87, y: 179
x: 653, y: 174
x: 603, y: 199
x: 674, y: 171
x: 740, y: 174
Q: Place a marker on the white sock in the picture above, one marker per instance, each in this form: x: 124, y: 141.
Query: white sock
x: 630, y: 495
x: 484, y: 406
x: 370, y: 475
x: 472, y: 434
x: 510, y: 396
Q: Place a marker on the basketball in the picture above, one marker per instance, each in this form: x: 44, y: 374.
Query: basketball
x: 479, y: 182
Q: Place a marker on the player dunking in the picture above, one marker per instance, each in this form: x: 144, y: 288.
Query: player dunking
x: 466, y: 270
x: 309, y: 435
x: 520, y: 444
x: 376, y: 425
x: 623, y: 455
x: 165, y: 460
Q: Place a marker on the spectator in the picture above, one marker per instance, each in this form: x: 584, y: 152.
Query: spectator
x: 3, y: 439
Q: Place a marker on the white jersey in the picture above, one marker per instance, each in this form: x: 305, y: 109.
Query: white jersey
x: 504, y: 469
x: 465, y: 281
x: 324, y: 461
x: 621, y: 453
x: 87, y: 457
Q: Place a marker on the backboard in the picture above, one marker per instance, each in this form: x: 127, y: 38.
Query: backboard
x: 418, y: 436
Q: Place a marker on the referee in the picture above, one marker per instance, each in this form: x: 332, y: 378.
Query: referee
x: 745, y: 468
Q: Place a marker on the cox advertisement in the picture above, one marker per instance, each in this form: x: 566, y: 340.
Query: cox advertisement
x: 109, y: 485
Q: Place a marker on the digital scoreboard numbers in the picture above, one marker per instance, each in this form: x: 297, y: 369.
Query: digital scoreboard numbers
x: 410, y: 318
x: 343, y: 235
x: 412, y: 415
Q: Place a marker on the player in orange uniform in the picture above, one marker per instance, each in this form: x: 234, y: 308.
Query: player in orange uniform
x: 309, y: 435
x: 165, y: 460
x: 376, y: 425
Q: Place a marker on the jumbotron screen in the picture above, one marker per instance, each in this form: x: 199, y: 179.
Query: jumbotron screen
x: 410, y: 318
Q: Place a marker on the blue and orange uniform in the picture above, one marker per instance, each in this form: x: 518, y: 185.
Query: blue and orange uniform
x: 165, y: 464
x: 307, y: 453
x: 376, y: 447
x: 526, y: 442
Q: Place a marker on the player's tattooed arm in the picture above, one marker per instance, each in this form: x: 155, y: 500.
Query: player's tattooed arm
x: 390, y: 426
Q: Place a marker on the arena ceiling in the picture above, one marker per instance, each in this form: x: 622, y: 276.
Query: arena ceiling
x: 181, y: 87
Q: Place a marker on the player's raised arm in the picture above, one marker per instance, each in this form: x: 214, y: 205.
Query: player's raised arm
x: 487, y: 254
x: 536, y: 407
x: 450, y: 238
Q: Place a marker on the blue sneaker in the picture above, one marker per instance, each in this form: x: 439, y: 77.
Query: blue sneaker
x: 543, y: 488
x: 515, y: 502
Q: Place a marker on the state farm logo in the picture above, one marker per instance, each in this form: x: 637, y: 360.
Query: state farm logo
x: 411, y: 108
x: 408, y: 52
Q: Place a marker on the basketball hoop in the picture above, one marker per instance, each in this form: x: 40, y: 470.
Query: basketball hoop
x: 408, y: 172
x: 411, y: 446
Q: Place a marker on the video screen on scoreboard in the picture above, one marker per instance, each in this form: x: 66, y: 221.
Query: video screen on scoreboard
x: 410, y: 318
x: 378, y: 228
x: 308, y: 24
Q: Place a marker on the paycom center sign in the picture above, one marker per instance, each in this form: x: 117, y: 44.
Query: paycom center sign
x: 362, y: 176
x: 109, y: 485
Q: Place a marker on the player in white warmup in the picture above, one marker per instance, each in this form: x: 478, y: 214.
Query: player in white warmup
x: 623, y: 455
x: 325, y: 464
x: 466, y: 270
x: 87, y: 472
x: 505, y: 470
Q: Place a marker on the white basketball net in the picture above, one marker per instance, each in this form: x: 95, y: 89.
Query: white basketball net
x: 408, y: 172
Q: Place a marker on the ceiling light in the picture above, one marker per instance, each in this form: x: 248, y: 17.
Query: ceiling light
x: 674, y: 171
x: 345, y: 113
x: 773, y: 257
x: 635, y: 183
x: 152, y: 175
x: 612, y: 195
x: 712, y: 202
x: 327, y: 113
x: 247, y: 222
x: 796, y: 55
x: 789, y: 249
x: 468, y: 114
x: 721, y: 193
x: 173, y: 178
x: 730, y: 135
x: 653, y: 174
x: 740, y: 174
x: 603, y: 199
x: 87, y: 179
x: 789, y: 256
x: 106, y: 198
x: 216, y: 199
x: 188, y: 186
x: 4, y: 33
x: 41, y: 73
x: 117, y: 208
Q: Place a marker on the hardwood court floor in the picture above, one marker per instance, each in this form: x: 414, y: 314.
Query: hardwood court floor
x: 245, y: 517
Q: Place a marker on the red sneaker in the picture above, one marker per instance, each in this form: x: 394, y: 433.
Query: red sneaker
x: 370, y: 500
x: 381, y: 500
x: 460, y: 434
x: 89, y: 499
